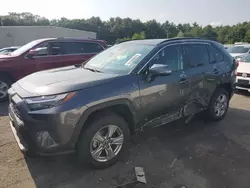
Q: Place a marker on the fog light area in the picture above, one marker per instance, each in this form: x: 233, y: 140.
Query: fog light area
x: 44, y: 140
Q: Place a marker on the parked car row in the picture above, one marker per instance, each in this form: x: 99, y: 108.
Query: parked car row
x: 93, y: 108
x: 44, y: 54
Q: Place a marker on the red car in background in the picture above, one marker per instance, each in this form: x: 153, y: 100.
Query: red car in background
x: 45, y: 54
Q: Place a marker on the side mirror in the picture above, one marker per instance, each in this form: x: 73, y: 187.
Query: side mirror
x: 160, y: 70
x: 37, y: 52
x: 31, y: 53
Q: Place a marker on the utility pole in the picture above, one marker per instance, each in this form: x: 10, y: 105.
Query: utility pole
x: 167, y: 33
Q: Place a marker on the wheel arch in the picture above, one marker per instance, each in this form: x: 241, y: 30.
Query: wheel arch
x: 7, y: 74
x: 121, y: 107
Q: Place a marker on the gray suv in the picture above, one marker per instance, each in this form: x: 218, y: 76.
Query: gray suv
x: 94, y: 108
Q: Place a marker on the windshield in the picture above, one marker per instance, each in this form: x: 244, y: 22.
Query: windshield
x: 246, y: 59
x: 25, y: 47
x: 238, y: 49
x: 120, y: 58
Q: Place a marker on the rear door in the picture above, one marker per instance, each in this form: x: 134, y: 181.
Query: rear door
x: 217, y: 69
x: 196, y: 67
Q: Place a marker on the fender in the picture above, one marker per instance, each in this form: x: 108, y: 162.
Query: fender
x: 91, y: 109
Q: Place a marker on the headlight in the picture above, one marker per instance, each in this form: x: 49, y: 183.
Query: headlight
x: 43, y: 102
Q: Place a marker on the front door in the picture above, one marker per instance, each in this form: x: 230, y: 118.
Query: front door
x: 162, y: 96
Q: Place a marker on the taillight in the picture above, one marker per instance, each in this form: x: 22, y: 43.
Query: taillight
x: 237, y: 63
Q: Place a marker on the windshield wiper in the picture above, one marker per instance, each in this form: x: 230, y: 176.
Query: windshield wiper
x: 93, y: 70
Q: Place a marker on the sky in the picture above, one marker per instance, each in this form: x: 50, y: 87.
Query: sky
x: 204, y: 12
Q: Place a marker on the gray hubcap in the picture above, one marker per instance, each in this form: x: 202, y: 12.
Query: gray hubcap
x: 3, y: 89
x: 106, y: 143
x: 220, y: 105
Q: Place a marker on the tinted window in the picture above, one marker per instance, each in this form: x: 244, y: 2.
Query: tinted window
x: 93, y: 47
x: 197, y: 55
x: 55, y: 48
x: 82, y: 48
x: 214, y: 54
x: 171, y: 56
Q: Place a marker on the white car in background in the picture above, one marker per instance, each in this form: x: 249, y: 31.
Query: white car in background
x: 239, y: 51
x: 243, y: 74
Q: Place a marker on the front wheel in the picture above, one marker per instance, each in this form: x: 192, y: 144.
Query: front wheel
x: 218, y: 105
x: 5, y: 84
x: 103, y: 142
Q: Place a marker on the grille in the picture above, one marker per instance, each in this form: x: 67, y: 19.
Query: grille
x: 16, y: 110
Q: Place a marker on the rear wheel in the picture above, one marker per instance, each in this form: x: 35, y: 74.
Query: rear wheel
x: 5, y: 84
x: 103, y: 142
x: 218, y: 105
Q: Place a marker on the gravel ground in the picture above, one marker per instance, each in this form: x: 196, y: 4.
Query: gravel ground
x: 198, y: 154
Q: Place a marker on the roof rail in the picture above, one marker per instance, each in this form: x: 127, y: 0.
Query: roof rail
x: 179, y: 38
x: 87, y: 38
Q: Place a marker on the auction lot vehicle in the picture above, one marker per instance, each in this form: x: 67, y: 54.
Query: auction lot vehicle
x: 239, y: 51
x: 243, y: 74
x: 92, y: 109
x: 44, y: 54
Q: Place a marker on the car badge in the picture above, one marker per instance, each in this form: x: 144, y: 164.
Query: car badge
x: 244, y: 75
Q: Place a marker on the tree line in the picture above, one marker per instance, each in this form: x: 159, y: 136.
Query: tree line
x: 119, y: 29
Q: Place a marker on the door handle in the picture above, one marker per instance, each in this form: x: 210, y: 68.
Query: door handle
x: 183, y: 80
x: 216, y: 71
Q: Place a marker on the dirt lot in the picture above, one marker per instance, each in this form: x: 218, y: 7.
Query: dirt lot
x: 197, y: 155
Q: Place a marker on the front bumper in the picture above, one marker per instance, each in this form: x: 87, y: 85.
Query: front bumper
x: 44, y: 132
x: 243, y: 83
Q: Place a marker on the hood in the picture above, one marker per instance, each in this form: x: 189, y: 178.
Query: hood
x: 3, y: 57
x: 244, y: 67
x: 61, y: 80
x: 236, y: 54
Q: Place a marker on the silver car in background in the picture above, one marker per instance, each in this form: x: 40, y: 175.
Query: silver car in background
x: 239, y: 51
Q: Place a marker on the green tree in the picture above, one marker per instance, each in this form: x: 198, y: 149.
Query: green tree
x: 120, y: 29
x: 140, y: 35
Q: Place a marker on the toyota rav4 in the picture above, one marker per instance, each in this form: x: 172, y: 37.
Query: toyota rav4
x: 92, y: 109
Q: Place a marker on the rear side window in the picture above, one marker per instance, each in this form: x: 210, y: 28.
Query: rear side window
x: 82, y: 48
x: 55, y: 48
x: 215, y: 55
x: 196, y: 55
x: 93, y: 47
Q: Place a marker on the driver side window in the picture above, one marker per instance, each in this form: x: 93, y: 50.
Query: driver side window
x: 171, y: 56
x: 42, y: 50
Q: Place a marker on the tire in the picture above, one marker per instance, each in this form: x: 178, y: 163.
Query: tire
x: 212, y: 113
x: 86, y: 144
x: 5, y: 84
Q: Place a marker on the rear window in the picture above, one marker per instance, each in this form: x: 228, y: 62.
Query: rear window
x: 238, y: 49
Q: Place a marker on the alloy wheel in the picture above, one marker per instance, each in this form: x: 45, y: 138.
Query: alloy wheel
x: 3, y: 89
x: 220, y: 105
x: 107, y: 143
